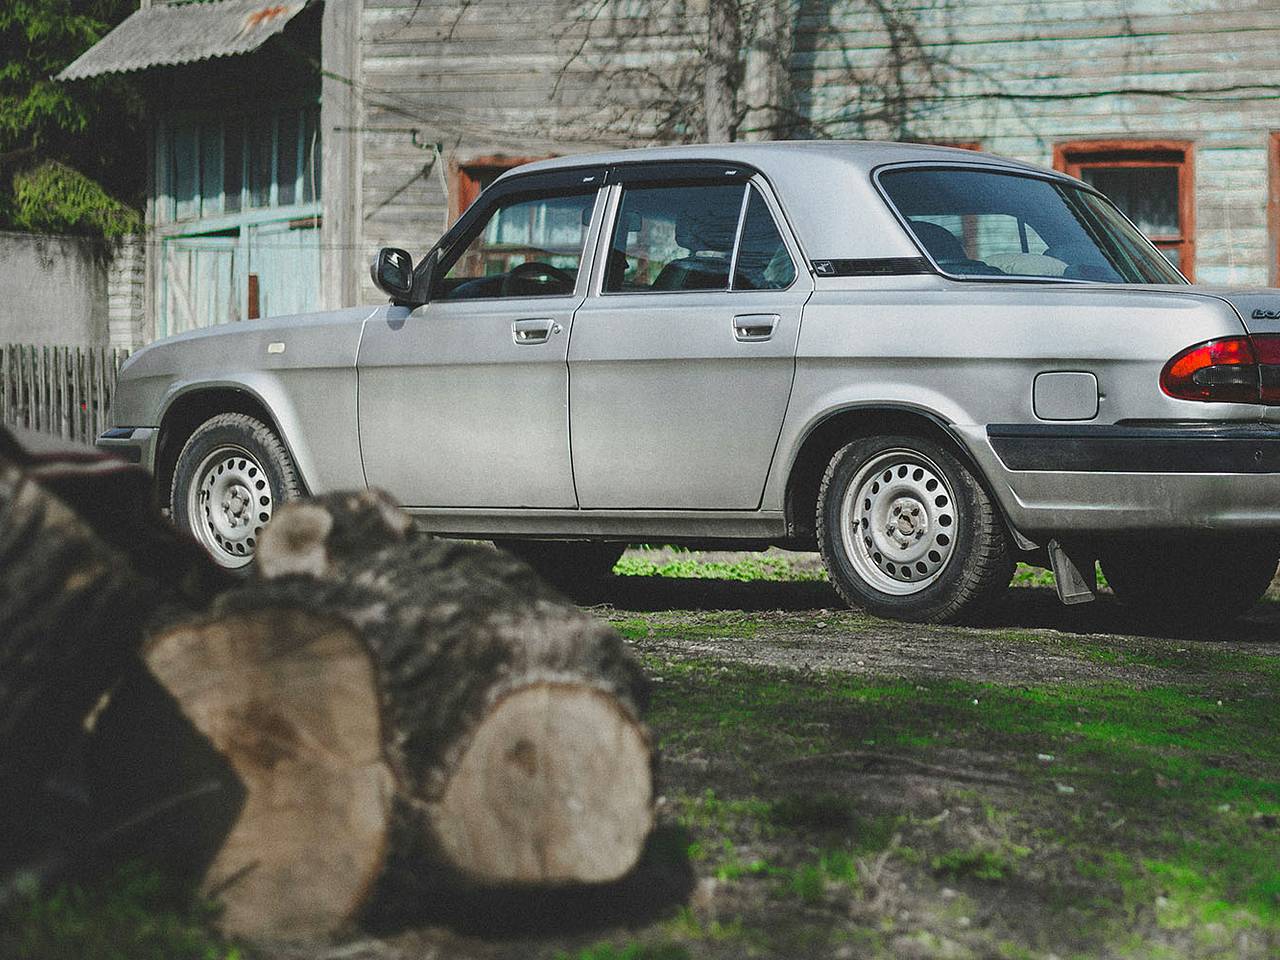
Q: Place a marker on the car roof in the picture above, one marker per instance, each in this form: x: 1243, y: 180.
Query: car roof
x: 825, y: 186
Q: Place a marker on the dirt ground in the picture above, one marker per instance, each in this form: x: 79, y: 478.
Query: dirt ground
x: 1053, y: 782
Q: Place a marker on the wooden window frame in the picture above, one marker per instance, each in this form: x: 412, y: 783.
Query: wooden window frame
x: 1075, y: 156
x: 1273, y: 204
x: 464, y: 178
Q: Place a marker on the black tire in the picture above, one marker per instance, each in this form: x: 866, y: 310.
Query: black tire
x: 1191, y: 580
x: 935, y: 515
x: 232, y: 457
x: 573, y: 567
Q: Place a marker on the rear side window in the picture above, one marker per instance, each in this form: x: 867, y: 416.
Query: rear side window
x: 763, y: 262
x: 691, y: 237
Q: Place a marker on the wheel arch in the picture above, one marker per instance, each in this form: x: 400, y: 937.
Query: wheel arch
x: 845, y: 424
x: 187, y: 410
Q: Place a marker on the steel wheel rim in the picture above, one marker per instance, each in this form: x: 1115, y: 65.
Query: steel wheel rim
x: 229, y: 503
x: 898, y: 522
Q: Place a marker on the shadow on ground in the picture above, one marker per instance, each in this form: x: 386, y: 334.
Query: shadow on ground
x: 1025, y: 607
x: 656, y: 888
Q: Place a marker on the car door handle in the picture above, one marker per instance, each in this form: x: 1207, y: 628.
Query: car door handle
x: 534, y: 330
x: 754, y: 327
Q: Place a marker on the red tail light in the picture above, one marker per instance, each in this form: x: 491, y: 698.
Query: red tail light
x: 1232, y: 370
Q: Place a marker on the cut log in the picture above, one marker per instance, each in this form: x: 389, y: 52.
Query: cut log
x: 71, y: 613
x: 401, y: 716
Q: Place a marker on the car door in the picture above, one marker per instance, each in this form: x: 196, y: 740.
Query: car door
x: 681, y: 362
x: 464, y: 401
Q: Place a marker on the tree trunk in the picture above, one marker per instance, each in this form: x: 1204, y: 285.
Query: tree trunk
x: 395, y: 715
x: 723, y: 70
x: 767, y: 73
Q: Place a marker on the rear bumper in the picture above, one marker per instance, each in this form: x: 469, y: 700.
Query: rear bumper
x: 131, y: 444
x: 1103, y: 479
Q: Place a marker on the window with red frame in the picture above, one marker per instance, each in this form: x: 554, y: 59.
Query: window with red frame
x: 1152, y: 182
x: 1273, y: 204
x: 473, y: 176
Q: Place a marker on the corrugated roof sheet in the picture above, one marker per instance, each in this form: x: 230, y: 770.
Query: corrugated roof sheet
x: 165, y: 35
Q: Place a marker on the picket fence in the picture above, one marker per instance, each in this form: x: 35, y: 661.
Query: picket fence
x: 62, y: 391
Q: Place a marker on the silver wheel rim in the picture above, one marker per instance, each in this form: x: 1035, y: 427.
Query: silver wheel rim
x: 898, y: 522
x: 229, y: 503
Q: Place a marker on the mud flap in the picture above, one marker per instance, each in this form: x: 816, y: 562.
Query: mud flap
x: 1068, y: 573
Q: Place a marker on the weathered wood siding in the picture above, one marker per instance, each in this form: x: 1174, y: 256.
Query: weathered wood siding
x: 1024, y: 76
x: 486, y: 78
x: 480, y: 78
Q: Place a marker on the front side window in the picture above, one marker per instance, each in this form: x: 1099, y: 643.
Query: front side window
x: 981, y: 223
x: 528, y: 247
x: 675, y: 238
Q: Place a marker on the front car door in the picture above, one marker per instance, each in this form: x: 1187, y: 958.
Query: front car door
x: 464, y: 401
x: 681, y: 361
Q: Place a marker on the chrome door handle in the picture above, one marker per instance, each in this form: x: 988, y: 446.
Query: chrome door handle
x: 534, y: 330
x: 754, y: 327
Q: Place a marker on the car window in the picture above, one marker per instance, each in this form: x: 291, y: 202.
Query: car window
x: 984, y: 223
x: 526, y: 248
x: 674, y: 238
x: 999, y: 240
x: 763, y: 262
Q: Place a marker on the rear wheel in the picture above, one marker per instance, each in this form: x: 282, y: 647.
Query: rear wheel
x: 570, y: 566
x: 231, y: 476
x: 906, y: 531
x: 1193, y: 580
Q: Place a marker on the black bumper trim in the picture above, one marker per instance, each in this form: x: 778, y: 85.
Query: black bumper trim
x: 1114, y: 448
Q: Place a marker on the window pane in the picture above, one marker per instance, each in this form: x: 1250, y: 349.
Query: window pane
x: 184, y: 166
x: 287, y: 159
x: 674, y: 238
x: 763, y: 261
x: 528, y: 248
x: 311, y: 155
x: 232, y: 165
x: 1070, y: 232
x: 260, y: 150
x: 1146, y: 195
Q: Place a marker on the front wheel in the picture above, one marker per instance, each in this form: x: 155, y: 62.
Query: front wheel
x: 231, y: 476
x: 1191, y: 580
x: 906, y: 531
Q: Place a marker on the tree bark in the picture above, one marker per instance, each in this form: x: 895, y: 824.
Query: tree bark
x: 393, y: 716
x: 723, y: 70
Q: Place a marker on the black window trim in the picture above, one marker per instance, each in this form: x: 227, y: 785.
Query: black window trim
x: 1047, y: 175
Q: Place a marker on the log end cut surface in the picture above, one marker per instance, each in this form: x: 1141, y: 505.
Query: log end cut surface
x: 555, y: 787
x: 290, y: 701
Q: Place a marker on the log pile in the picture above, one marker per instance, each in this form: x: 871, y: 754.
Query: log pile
x: 374, y: 718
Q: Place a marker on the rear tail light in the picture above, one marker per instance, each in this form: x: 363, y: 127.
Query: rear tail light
x: 1231, y: 370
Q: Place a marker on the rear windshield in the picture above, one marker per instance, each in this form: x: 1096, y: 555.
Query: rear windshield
x: 978, y: 223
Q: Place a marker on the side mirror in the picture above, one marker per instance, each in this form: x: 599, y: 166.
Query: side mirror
x: 392, y: 273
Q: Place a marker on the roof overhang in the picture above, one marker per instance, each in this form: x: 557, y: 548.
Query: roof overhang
x: 165, y: 35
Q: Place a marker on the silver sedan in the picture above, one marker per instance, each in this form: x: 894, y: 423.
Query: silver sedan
x: 925, y: 362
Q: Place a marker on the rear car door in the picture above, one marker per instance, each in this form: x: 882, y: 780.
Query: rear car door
x: 463, y: 401
x: 681, y: 361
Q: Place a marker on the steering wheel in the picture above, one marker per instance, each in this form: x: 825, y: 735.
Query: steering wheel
x: 531, y: 269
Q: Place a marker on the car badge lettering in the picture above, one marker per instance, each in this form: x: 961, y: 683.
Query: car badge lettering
x: 1260, y: 314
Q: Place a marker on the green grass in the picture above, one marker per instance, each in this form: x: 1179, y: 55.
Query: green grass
x: 1146, y: 806
x: 132, y: 914
x: 691, y: 564
x: 631, y: 951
